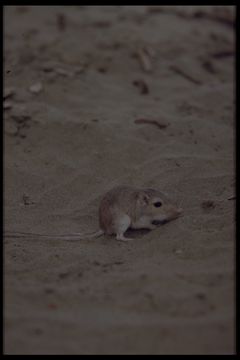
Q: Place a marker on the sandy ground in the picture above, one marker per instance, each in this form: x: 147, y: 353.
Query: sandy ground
x: 76, y: 80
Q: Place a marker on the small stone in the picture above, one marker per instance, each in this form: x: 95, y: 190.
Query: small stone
x: 36, y: 88
x: 63, y: 72
x: 178, y: 252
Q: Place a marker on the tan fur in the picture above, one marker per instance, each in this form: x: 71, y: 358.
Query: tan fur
x: 121, y: 208
x: 138, y: 205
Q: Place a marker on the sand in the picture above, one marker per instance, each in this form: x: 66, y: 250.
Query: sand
x: 78, y: 82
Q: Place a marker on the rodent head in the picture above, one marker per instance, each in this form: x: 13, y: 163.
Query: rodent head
x: 154, y: 204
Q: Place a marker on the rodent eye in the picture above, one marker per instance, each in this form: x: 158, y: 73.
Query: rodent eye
x: 157, y: 204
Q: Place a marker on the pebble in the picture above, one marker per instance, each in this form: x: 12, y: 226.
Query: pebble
x: 178, y: 252
x: 63, y: 72
x: 36, y: 88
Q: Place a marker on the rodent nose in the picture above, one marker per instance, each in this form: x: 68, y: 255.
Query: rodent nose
x: 180, y: 210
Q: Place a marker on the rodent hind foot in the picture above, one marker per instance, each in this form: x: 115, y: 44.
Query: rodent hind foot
x: 121, y: 237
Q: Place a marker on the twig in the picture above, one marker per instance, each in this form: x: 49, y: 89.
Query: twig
x: 152, y: 122
x: 223, y: 54
x: 144, y: 60
x: 220, y: 17
x: 183, y: 74
x: 61, y: 22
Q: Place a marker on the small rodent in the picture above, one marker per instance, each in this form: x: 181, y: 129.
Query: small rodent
x: 126, y: 207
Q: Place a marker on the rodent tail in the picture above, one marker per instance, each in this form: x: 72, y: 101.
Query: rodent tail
x: 74, y: 236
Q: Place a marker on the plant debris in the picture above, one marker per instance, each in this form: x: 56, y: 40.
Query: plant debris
x: 142, y: 86
x: 208, y: 204
x: 208, y: 66
x: 181, y: 72
x: 152, y: 122
x: 221, y: 15
x: 18, y: 122
x: 144, y: 59
x: 61, y: 22
x: 223, y: 54
x: 63, y: 72
x: 26, y: 200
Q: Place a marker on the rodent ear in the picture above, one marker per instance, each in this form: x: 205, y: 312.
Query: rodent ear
x: 143, y: 198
